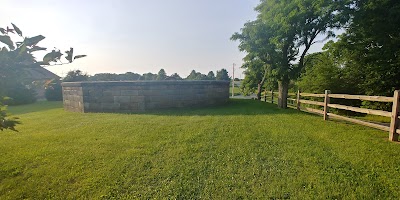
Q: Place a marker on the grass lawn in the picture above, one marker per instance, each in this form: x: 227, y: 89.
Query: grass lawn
x: 236, y: 90
x: 245, y: 149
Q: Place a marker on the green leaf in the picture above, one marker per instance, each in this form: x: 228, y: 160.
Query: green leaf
x: 53, y: 56
x: 2, y: 30
x: 36, y: 48
x: 42, y: 63
x: 69, y: 54
x: 33, y: 40
x: 79, y: 56
x: 19, y: 32
x: 22, y: 49
x: 7, y: 40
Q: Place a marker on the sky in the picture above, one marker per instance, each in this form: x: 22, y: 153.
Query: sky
x: 138, y: 36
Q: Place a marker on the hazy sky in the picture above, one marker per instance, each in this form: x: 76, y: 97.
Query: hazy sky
x: 136, y: 35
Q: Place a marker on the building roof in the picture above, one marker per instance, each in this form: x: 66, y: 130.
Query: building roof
x: 39, y: 73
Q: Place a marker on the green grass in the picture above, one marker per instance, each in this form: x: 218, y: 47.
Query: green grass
x: 245, y: 149
x: 376, y: 118
x: 236, y: 91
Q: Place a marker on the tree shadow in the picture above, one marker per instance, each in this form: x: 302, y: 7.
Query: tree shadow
x: 232, y: 107
x: 38, y: 106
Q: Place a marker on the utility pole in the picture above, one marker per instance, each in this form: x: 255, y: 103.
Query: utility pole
x: 233, y: 80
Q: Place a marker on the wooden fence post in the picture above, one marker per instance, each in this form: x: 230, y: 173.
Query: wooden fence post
x: 265, y: 95
x: 394, y: 123
x: 272, y: 96
x: 326, y: 102
x: 298, y: 100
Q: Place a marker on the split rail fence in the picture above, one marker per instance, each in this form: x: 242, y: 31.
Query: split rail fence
x: 297, y: 102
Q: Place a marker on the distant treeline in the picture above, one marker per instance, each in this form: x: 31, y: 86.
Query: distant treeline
x: 78, y: 75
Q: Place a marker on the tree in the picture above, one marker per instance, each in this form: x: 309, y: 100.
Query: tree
x: 129, y: 76
x: 53, y: 90
x: 255, y: 41
x: 222, y: 75
x: 104, y: 77
x: 149, y: 77
x: 196, y: 76
x: 75, y: 76
x: 16, y: 56
x: 192, y: 75
x: 256, y: 75
x: 161, y: 75
x: 322, y: 73
x: 281, y: 28
x: 369, y: 49
x: 368, y: 52
x: 5, y: 121
x: 174, y: 76
x: 210, y: 75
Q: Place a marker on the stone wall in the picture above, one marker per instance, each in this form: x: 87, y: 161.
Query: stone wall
x: 141, y: 96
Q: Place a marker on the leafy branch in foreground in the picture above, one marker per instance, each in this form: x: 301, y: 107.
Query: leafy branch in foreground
x: 15, y: 58
x: 6, y: 122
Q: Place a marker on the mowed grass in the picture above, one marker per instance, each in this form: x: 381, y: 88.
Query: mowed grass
x: 236, y: 90
x: 243, y: 150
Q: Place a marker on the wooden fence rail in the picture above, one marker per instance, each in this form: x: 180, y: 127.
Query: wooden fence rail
x: 393, y: 129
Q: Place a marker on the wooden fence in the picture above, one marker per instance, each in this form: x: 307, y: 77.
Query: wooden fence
x: 297, y: 102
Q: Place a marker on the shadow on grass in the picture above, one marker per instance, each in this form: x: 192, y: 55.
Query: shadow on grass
x: 35, y: 107
x: 232, y: 107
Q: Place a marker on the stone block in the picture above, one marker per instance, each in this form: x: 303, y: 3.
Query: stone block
x: 109, y: 106
x: 129, y: 106
x: 137, y: 99
x: 106, y: 99
x: 149, y: 92
x: 122, y: 99
x: 95, y: 92
x: 201, y: 96
x: 129, y: 93
x: 141, y: 106
x: 95, y: 107
x: 92, y: 99
x: 110, y: 92
x: 157, y: 87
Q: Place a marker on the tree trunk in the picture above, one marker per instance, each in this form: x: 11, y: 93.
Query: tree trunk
x: 259, y: 91
x: 283, y: 87
x: 261, y: 83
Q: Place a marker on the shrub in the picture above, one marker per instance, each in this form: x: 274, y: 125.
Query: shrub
x: 20, y: 94
x: 53, y: 91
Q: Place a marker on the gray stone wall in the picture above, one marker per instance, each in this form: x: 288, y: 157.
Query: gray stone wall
x: 141, y: 96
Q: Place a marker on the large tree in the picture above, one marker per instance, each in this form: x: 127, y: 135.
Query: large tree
x: 222, y: 75
x: 75, y: 76
x: 196, y: 76
x: 255, y: 40
x: 321, y: 73
x: 174, y: 76
x: 367, y: 54
x: 284, y: 32
x: 369, y: 50
x: 210, y: 75
x: 148, y: 76
x: 161, y: 75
